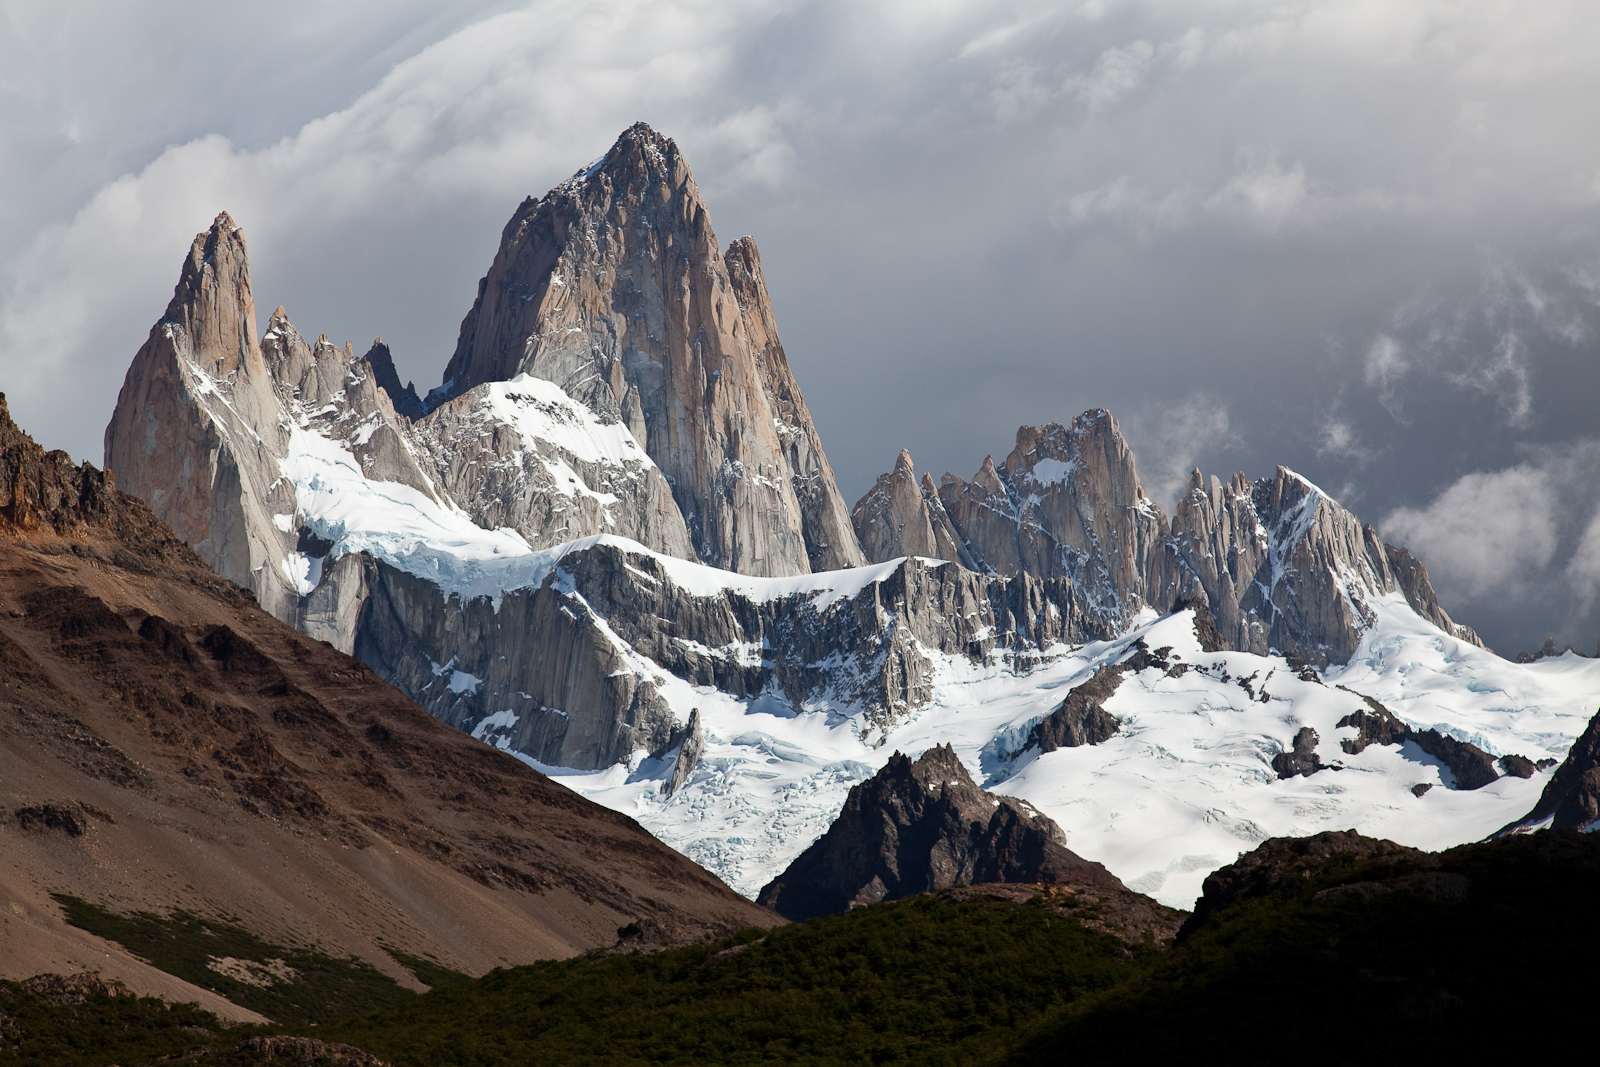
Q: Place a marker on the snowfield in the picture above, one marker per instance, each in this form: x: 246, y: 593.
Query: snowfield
x: 1184, y: 787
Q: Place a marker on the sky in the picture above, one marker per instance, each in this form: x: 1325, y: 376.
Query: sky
x: 1358, y: 239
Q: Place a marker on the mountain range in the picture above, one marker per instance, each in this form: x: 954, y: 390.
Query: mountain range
x: 610, y: 544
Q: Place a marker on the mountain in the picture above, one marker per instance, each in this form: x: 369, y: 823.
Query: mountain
x: 1280, y: 564
x: 165, y: 743
x: 613, y: 286
x: 919, y: 827
x: 612, y: 547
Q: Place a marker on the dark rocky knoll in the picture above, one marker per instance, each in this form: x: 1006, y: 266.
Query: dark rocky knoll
x: 1571, y: 799
x: 166, y: 743
x: 920, y: 827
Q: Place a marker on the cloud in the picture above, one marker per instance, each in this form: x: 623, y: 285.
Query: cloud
x: 1122, y: 204
x: 1268, y: 194
x: 1528, y: 530
x: 1342, y: 439
x: 1487, y: 533
x: 1171, y: 440
x: 1118, y: 72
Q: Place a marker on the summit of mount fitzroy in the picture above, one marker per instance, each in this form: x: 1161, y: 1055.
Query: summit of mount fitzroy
x: 611, y: 544
x: 613, y: 286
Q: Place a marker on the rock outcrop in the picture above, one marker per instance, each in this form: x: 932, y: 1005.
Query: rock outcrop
x: 1082, y: 719
x: 1301, y: 758
x: 1571, y: 799
x: 920, y: 827
x: 899, y: 517
x: 405, y: 400
x: 1282, y: 567
x: 1284, y: 864
x: 613, y: 286
x: 1470, y: 766
x: 1285, y: 567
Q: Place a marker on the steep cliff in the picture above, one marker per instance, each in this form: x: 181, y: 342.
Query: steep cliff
x: 613, y: 286
x: 197, y: 432
x: 1067, y: 503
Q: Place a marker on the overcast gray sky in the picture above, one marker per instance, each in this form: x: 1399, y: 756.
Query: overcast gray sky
x: 1360, y: 239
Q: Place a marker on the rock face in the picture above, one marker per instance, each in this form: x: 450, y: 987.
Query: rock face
x: 1571, y: 800
x: 1279, y: 563
x: 924, y: 826
x: 899, y: 517
x: 830, y: 538
x: 613, y: 287
x: 1067, y: 503
x: 196, y: 431
x: 609, y: 621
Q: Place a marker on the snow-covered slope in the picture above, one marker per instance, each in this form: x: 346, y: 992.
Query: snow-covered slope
x: 1184, y: 786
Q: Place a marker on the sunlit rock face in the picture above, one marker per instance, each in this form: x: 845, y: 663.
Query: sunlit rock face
x: 613, y: 286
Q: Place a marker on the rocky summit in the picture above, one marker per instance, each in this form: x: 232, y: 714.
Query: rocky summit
x: 921, y: 827
x: 613, y: 286
x: 1280, y: 564
x: 610, y: 543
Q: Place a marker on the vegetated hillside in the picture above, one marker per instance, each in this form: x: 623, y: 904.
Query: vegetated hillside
x: 165, y: 744
x: 1314, y: 951
x: 1332, y: 949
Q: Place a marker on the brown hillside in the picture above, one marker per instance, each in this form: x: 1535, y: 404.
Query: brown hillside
x: 166, y: 744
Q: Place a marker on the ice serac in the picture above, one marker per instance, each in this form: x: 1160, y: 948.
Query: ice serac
x: 1067, y: 503
x: 1285, y: 567
x: 899, y: 517
x: 196, y: 432
x: 919, y: 827
x: 613, y: 286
